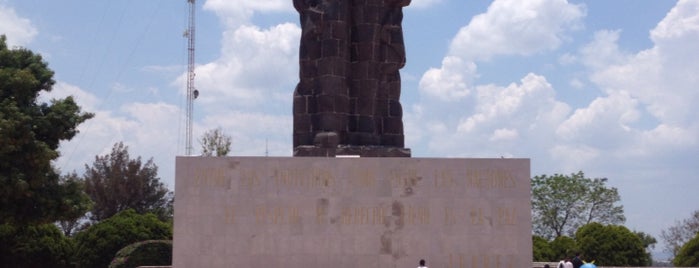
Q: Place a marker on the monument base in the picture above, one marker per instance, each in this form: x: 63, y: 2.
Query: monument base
x: 320, y: 212
x: 361, y: 151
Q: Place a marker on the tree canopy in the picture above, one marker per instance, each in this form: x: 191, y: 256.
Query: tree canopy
x: 115, y: 182
x: 688, y: 254
x: 563, y: 203
x: 30, y: 132
x: 215, y: 143
x: 611, y: 245
x: 34, y: 246
x: 97, y: 246
x: 677, y: 235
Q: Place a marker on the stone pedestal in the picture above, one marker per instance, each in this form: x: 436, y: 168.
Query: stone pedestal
x: 306, y: 212
x: 362, y: 151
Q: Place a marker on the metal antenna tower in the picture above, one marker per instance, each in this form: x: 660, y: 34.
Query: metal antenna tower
x: 192, y: 92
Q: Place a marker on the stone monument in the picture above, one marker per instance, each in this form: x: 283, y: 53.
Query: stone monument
x: 381, y: 210
x: 371, y: 212
x: 347, y: 99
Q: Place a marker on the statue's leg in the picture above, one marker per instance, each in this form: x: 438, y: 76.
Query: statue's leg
x: 304, y: 103
x: 365, y: 72
x: 392, y: 57
x: 332, y: 92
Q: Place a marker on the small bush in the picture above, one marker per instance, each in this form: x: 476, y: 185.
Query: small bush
x: 34, y: 246
x: 97, y: 246
x: 144, y: 253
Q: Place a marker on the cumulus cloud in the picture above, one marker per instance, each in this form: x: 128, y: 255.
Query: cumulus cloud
x: 18, y: 30
x: 424, y: 3
x: 647, y: 107
x: 605, y: 121
x: 451, y: 82
x: 509, y: 27
x: 256, y: 65
x: 660, y: 80
x: 147, y: 128
x: 513, y: 27
x: 530, y: 103
x: 237, y: 12
x: 87, y: 101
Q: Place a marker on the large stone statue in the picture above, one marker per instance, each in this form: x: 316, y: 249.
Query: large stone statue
x: 347, y: 100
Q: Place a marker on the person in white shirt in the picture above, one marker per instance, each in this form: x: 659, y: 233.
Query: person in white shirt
x: 568, y: 264
x: 422, y: 264
x: 561, y: 264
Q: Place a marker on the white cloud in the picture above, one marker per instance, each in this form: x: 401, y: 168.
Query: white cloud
x: 251, y: 131
x: 424, y: 3
x: 452, y: 81
x: 508, y: 27
x: 603, y: 50
x: 86, y: 100
x: 504, y: 134
x: 683, y: 18
x: 514, y: 27
x: 19, y: 31
x: 663, y: 78
x: 256, y: 66
x: 514, y: 105
x: 603, y: 123
x: 238, y: 12
x: 572, y: 158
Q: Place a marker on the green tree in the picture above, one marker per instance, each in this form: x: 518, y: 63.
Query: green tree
x: 678, y: 234
x: 144, y: 253
x: 34, y: 246
x: 563, y: 246
x: 688, y: 255
x: 563, y: 203
x: 97, y: 245
x: 115, y: 183
x: 611, y: 245
x: 30, y: 132
x: 70, y: 221
x: 215, y: 142
x: 648, y: 243
x: 542, y: 249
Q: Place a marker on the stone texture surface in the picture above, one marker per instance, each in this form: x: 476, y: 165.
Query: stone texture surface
x: 351, y: 212
x: 350, y: 56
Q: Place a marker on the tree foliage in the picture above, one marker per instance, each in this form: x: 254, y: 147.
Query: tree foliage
x: 30, y: 132
x: 97, y: 246
x: 677, y: 235
x: 564, y: 246
x: 688, y: 254
x: 70, y: 221
x: 542, y: 249
x: 563, y: 203
x: 215, y: 143
x: 648, y: 242
x: 611, y: 245
x: 115, y: 182
x: 144, y: 253
x: 34, y: 246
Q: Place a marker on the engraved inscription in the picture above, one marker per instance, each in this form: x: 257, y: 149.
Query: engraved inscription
x: 490, y: 179
x: 276, y: 215
x: 215, y: 177
x: 304, y: 179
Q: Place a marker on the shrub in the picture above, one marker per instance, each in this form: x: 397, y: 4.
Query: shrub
x: 97, y: 245
x: 688, y: 255
x: 34, y: 246
x: 144, y: 253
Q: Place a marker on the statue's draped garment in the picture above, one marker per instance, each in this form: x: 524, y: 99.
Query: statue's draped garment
x: 350, y: 56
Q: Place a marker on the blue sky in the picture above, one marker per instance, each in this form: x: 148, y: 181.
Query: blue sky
x: 606, y: 87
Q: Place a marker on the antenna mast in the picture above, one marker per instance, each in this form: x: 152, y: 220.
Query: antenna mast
x: 192, y: 93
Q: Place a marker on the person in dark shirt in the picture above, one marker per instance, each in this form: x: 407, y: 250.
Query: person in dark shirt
x: 577, y: 262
